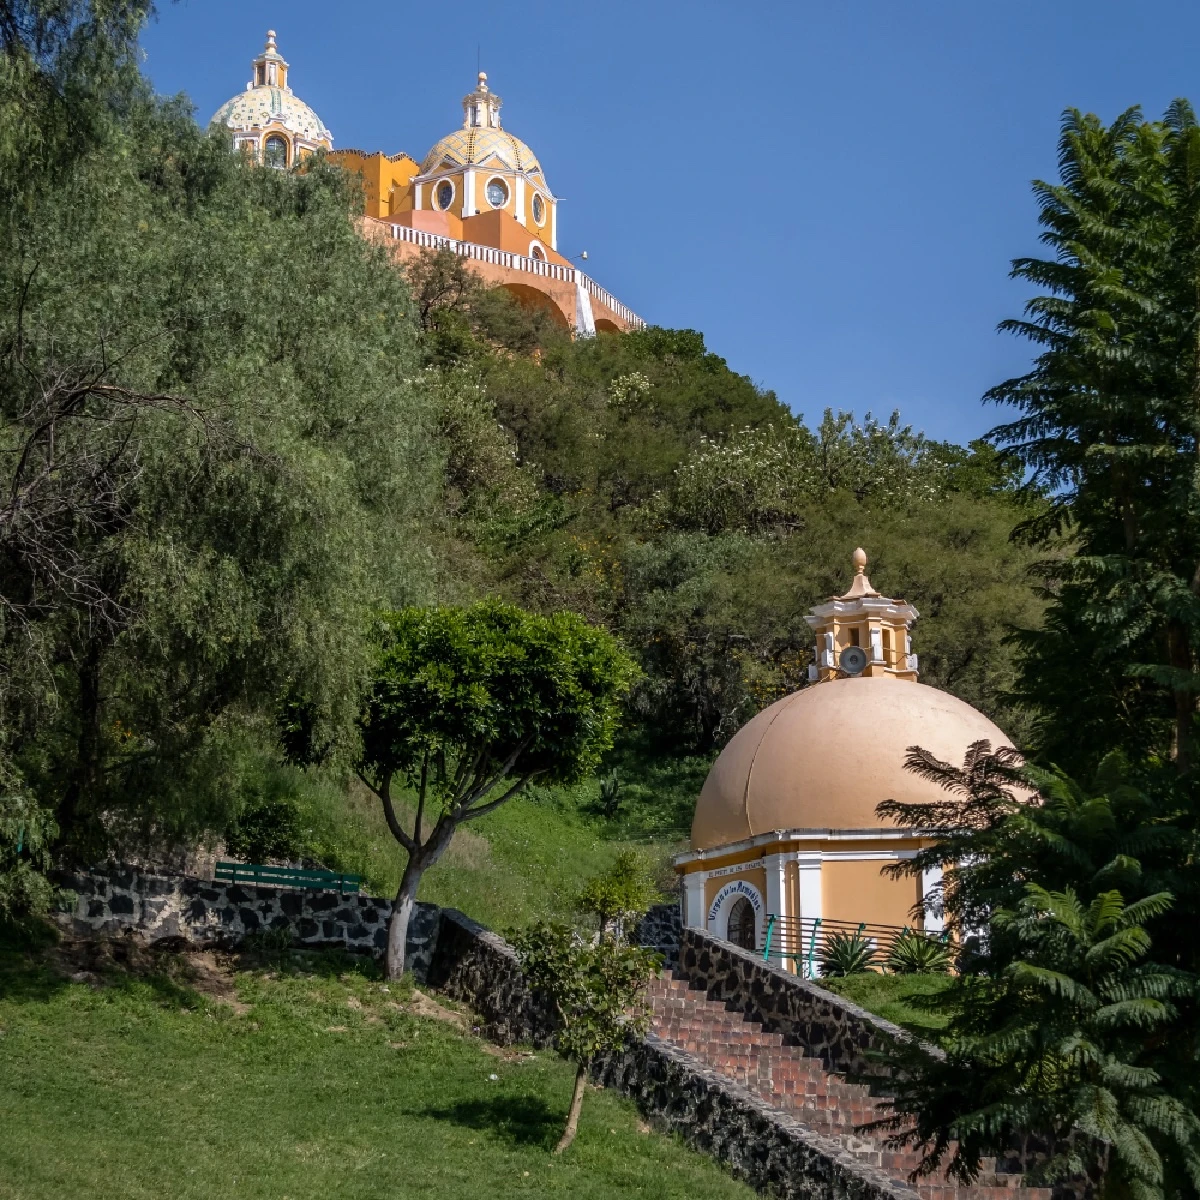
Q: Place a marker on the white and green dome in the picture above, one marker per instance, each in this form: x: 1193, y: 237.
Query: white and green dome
x: 269, y: 107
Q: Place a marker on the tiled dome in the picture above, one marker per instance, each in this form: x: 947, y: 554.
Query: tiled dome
x: 268, y: 100
x: 475, y: 147
x: 261, y: 106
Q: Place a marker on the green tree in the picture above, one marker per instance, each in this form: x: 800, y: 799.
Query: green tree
x: 619, y: 895
x: 216, y: 462
x: 1053, y: 1046
x: 27, y: 832
x: 1110, y: 425
x: 467, y: 707
x: 598, y: 989
x: 1036, y: 894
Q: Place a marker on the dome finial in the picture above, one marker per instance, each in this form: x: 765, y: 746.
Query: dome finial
x: 860, y: 585
x: 481, y: 109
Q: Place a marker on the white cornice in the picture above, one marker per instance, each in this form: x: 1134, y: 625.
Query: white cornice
x: 802, y: 835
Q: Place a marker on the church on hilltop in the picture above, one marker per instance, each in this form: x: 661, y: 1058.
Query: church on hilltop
x: 480, y: 192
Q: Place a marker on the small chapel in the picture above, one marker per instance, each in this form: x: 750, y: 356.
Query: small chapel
x: 479, y: 192
x: 786, y: 845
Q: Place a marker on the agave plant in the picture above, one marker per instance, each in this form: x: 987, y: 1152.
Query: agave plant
x: 914, y: 953
x: 847, y: 954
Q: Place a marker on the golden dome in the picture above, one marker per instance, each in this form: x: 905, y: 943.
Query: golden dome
x: 481, y: 147
x: 481, y: 141
x: 824, y: 757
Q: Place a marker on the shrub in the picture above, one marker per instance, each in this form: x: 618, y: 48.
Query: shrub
x: 272, y: 829
x: 915, y: 953
x: 847, y: 954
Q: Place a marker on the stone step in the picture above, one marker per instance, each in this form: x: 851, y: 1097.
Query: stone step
x: 793, y: 1082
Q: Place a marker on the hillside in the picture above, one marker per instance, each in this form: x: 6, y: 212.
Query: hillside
x: 292, y: 1077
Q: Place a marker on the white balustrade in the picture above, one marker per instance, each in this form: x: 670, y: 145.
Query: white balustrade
x: 518, y: 262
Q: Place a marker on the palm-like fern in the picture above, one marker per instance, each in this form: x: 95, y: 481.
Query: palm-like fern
x: 1054, y: 1047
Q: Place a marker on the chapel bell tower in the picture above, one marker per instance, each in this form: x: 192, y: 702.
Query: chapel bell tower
x: 862, y: 633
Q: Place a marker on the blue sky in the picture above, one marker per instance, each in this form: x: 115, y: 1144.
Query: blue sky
x: 830, y: 192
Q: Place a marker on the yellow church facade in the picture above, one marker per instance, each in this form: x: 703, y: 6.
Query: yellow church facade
x: 479, y: 192
x: 786, y: 845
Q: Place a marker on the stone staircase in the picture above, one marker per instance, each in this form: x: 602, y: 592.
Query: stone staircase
x: 792, y: 1082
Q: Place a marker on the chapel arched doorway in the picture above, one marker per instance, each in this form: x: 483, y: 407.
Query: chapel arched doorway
x: 741, y: 924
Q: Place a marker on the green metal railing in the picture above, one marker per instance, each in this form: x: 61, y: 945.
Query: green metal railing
x: 799, y: 939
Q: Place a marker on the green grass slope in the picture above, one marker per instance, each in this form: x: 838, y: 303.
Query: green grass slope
x: 905, y: 1000
x: 293, y: 1079
x: 525, y: 861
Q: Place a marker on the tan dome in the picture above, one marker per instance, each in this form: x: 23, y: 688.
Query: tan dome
x: 824, y: 757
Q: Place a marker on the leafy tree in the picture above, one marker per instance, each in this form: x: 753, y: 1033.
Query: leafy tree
x: 468, y: 706
x: 1109, y: 422
x: 1037, y: 887
x: 1053, y: 1046
x: 598, y: 989
x: 216, y: 461
x: 27, y: 832
x: 618, y: 895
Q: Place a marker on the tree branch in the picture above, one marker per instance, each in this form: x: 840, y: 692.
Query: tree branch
x: 482, y: 810
x: 421, y: 797
x: 384, y: 792
x: 481, y: 789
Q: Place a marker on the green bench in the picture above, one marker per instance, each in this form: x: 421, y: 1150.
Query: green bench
x: 286, y: 877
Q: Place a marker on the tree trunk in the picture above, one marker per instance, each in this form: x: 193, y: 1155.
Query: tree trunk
x: 402, y: 908
x: 1179, y: 655
x: 84, y: 778
x: 573, y: 1115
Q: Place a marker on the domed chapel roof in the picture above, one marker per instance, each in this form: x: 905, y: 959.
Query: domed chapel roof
x: 824, y: 757
x: 265, y: 103
x: 481, y: 140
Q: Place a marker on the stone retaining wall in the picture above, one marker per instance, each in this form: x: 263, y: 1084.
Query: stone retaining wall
x: 768, y: 1149
x: 152, y: 907
x: 661, y: 929
x: 481, y: 969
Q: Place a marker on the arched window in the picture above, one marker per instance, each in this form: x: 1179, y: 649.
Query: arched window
x: 536, y: 252
x: 275, y: 151
x: 741, y: 924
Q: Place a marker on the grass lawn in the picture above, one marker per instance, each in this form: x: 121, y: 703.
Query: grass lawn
x: 901, y: 999
x: 297, y: 1078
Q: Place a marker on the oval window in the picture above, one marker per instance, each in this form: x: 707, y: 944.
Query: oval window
x: 497, y: 193
x: 741, y: 924
x: 539, y: 209
x: 275, y: 151
x: 445, y: 195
